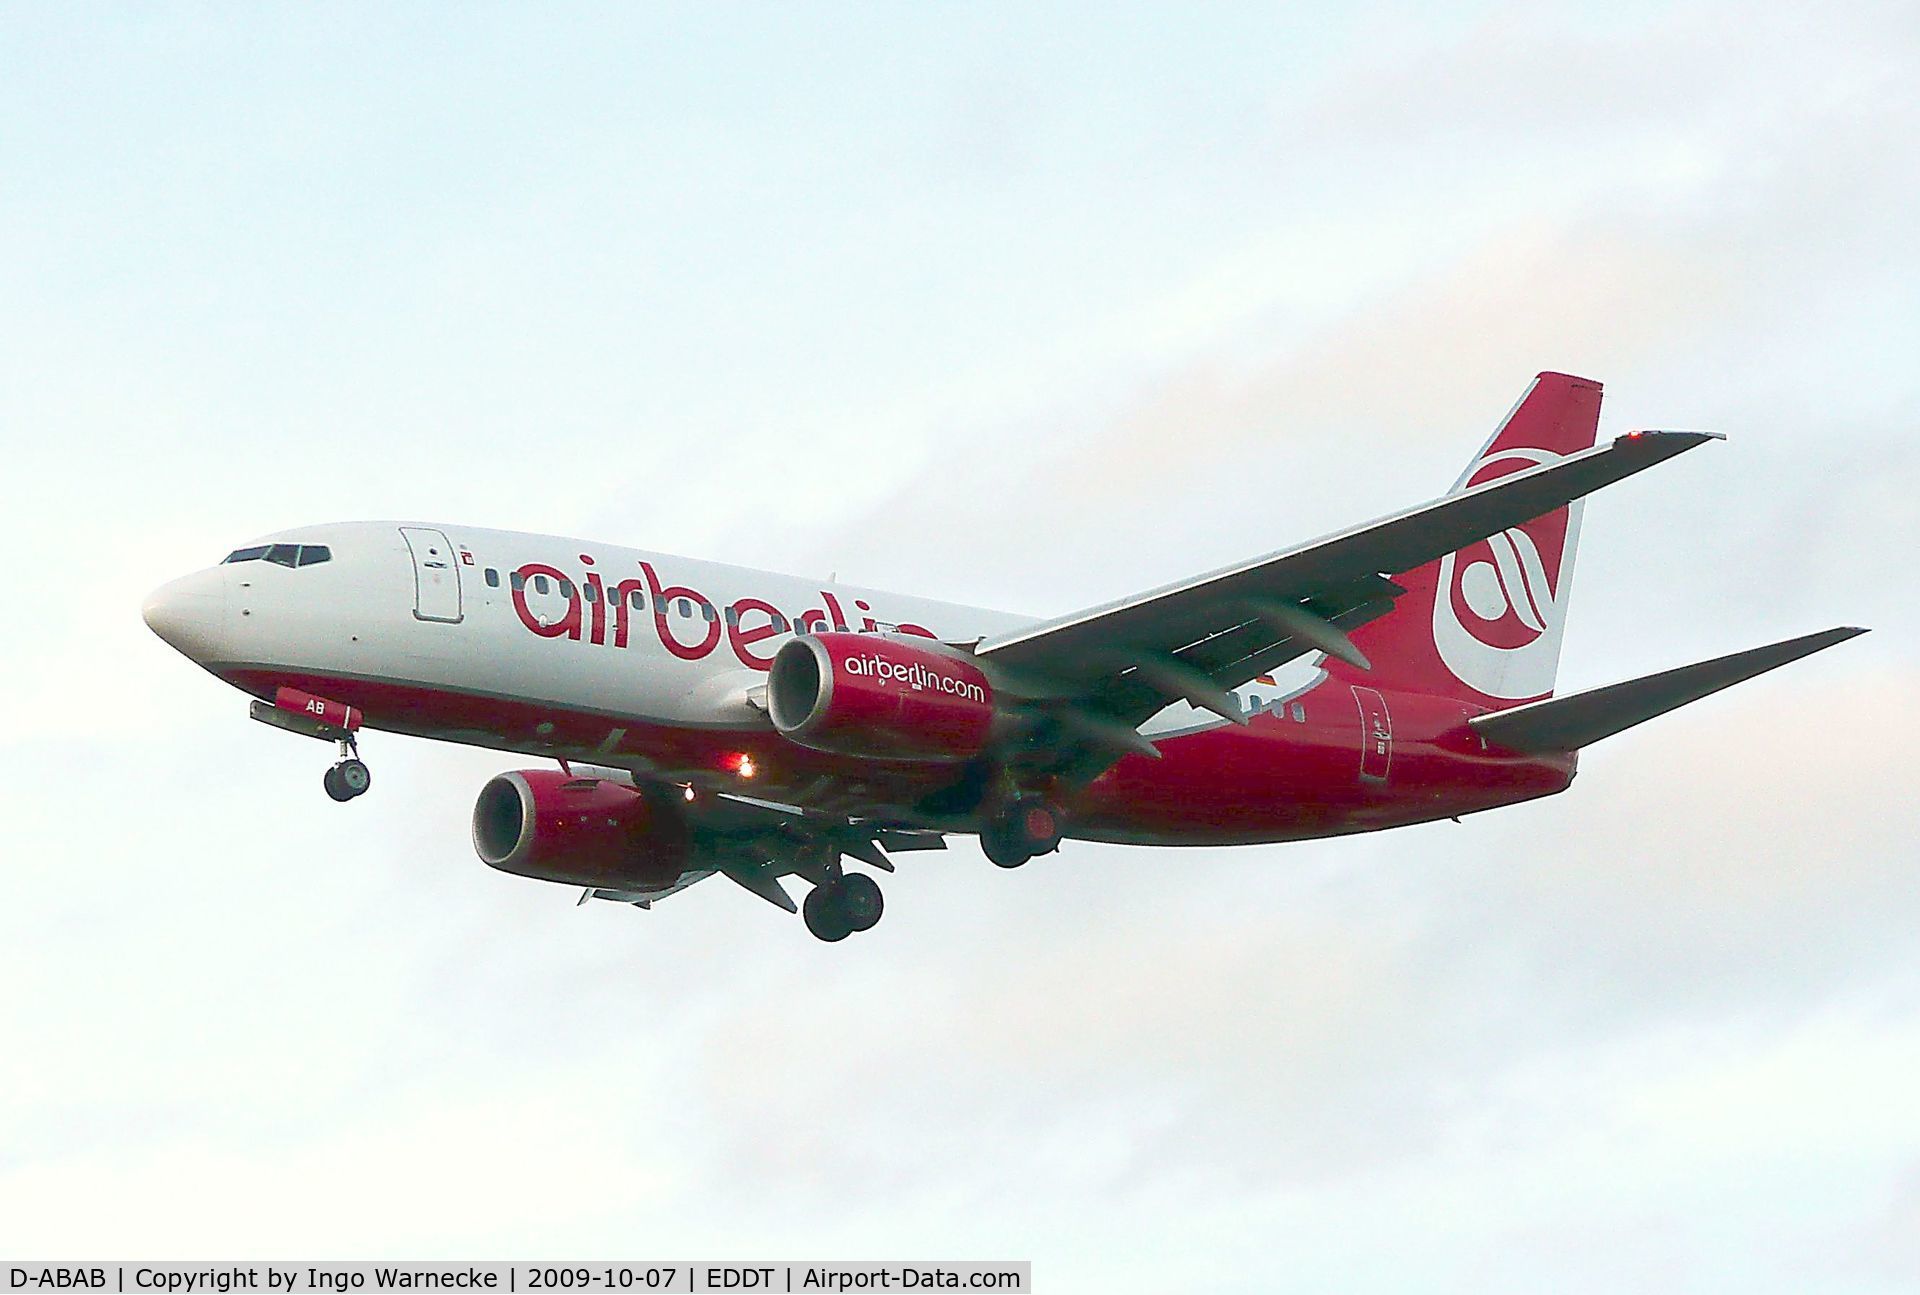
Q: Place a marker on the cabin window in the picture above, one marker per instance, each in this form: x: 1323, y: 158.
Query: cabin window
x: 518, y: 581
x: 493, y: 578
x: 539, y: 584
x: 593, y: 593
x: 684, y: 607
x: 706, y: 611
x: 1299, y: 713
x: 639, y: 600
x: 733, y: 618
x: 566, y: 588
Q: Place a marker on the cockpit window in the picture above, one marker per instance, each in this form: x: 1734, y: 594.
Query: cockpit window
x: 286, y: 555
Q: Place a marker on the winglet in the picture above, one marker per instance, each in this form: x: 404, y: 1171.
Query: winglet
x: 1568, y: 723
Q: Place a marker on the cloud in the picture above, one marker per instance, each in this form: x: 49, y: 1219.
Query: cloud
x: 1670, y: 284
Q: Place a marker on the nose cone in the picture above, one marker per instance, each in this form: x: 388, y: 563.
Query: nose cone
x: 189, y: 613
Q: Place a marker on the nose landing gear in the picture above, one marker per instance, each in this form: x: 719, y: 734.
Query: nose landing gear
x: 350, y: 777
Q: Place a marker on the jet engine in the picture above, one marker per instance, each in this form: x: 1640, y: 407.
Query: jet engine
x: 870, y: 695
x: 546, y: 824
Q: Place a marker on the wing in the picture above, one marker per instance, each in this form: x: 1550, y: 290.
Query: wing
x: 1109, y: 668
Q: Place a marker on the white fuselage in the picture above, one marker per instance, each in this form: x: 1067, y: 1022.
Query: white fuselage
x: 531, y: 618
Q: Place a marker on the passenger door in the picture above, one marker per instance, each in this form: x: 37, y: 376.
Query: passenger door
x: 1376, y: 735
x: 436, y: 575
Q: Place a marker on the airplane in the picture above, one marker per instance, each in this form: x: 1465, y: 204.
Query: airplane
x: 709, y: 720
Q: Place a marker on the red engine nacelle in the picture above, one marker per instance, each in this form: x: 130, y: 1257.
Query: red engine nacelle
x: 582, y: 831
x: 866, y: 695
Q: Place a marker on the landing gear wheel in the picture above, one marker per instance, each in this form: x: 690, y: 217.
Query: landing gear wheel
x: 838, y: 907
x: 824, y: 917
x: 859, y: 900
x: 1035, y: 824
x: 354, y: 776
x: 347, y: 779
x: 1025, y: 828
x: 1000, y: 851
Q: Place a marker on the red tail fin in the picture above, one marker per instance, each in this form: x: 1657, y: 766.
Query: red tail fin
x: 1484, y: 624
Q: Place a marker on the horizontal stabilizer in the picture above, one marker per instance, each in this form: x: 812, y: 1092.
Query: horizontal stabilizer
x: 1569, y: 723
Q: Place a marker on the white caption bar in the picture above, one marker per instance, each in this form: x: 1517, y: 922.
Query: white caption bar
x: 281, y: 1277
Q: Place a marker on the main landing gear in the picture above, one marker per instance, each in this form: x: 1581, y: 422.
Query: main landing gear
x: 350, y: 777
x: 842, y: 904
x: 1025, y: 827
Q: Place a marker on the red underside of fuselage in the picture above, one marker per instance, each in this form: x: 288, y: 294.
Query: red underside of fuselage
x: 1273, y: 779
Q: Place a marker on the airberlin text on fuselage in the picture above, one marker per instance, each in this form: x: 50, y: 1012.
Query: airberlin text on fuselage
x: 752, y: 620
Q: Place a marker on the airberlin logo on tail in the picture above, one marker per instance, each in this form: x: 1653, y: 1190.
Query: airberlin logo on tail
x: 1510, y: 597
x: 915, y: 676
x: 1500, y: 603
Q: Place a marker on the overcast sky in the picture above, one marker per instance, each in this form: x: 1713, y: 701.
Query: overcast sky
x: 1033, y: 309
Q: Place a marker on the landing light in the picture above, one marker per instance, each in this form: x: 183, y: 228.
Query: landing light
x: 687, y: 791
x: 744, y: 766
